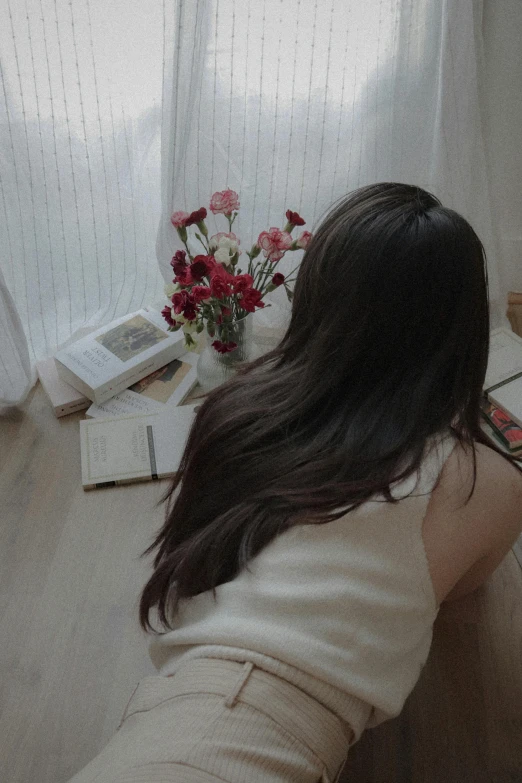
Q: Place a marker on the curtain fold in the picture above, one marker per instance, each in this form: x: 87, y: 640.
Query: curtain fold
x: 80, y: 124
x: 16, y: 372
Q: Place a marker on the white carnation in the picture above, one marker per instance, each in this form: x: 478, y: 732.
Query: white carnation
x: 189, y: 327
x: 222, y: 255
x: 170, y: 289
x: 231, y: 244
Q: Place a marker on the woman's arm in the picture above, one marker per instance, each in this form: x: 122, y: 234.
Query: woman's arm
x: 466, y: 542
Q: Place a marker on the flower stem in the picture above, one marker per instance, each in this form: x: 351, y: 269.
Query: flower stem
x: 270, y: 271
x: 207, y: 249
x: 187, y: 249
x: 260, y: 273
x: 293, y: 270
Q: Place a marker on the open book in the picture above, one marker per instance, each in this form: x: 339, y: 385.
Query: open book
x: 168, y: 386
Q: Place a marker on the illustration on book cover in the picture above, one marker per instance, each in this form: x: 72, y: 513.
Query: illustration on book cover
x: 162, y: 383
x: 131, y: 338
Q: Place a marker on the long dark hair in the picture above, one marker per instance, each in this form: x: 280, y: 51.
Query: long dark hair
x: 387, y: 345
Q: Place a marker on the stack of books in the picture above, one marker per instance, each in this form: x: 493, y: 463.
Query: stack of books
x: 134, y: 379
x: 502, y: 401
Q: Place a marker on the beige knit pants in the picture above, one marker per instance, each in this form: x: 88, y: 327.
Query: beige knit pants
x: 218, y: 720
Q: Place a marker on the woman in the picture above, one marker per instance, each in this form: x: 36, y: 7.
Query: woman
x: 330, y: 497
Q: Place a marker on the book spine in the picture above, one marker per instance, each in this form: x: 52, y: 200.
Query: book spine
x: 64, y: 410
x: 120, y: 482
x: 69, y: 377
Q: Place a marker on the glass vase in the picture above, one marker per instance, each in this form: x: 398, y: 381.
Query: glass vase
x: 215, y: 368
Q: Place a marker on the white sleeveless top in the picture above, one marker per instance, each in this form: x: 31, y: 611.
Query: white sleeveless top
x: 343, y: 610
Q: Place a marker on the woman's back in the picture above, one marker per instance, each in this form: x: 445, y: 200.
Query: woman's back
x: 349, y: 604
x: 352, y: 603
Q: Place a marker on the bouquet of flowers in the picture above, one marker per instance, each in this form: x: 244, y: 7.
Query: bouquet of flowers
x: 208, y: 289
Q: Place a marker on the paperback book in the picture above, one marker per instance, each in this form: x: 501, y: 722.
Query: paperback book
x: 114, y: 357
x: 63, y: 397
x: 125, y: 449
x: 165, y: 387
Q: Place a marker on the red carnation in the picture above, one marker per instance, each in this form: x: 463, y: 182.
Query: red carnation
x: 179, y: 262
x: 220, y: 271
x: 184, y: 277
x: 278, y: 279
x: 167, y: 315
x: 219, y: 287
x: 251, y: 299
x: 294, y: 218
x: 200, y: 292
x: 242, y: 282
x: 223, y: 347
x: 180, y: 300
x: 199, y: 215
x: 201, y: 266
x: 190, y: 311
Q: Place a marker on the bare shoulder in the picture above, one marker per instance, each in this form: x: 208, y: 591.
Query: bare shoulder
x: 459, y: 533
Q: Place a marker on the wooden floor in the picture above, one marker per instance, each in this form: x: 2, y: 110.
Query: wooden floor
x: 71, y: 652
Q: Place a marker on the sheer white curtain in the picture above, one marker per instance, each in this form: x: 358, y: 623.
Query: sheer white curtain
x: 80, y: 120
x: 291, y: 103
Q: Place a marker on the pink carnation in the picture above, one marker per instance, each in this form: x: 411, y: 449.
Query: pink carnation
x: 224, y: 202
x: 304, y: 240
x: 274, y: 243
x: 214, y: 240
x: 179, y: 219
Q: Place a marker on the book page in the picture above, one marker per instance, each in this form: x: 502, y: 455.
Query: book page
x: 505, y: 357
x: 165, y: 387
